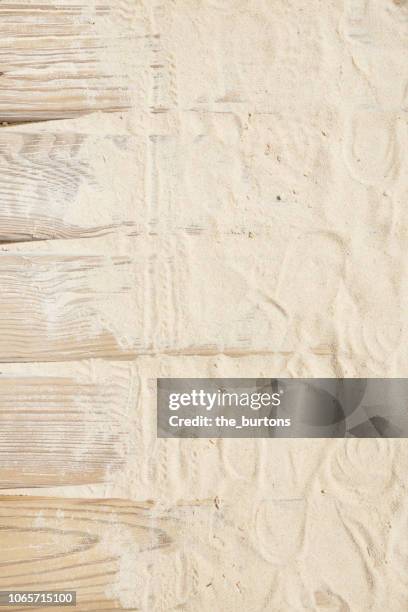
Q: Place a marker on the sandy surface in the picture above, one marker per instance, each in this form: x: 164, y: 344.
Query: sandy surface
x: 261, y: 177
x: 278, y: 184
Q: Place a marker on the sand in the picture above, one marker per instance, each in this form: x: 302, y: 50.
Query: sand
x: 255, y: 193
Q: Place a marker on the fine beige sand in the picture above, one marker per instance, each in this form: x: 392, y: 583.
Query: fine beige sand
x: 244, y: 217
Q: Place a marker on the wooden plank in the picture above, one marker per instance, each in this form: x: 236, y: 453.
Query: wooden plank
x: 103, y: 550
x: 60, y: 184
x: 63, y: 429
x: 58, y: 307
x: 63, y: 59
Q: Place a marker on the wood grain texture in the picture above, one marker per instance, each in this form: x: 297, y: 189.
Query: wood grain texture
x: 62, y: 59
x: 101, y: 549
x: 63, y: 430
x: 60, y: 185
x: 56, y: 308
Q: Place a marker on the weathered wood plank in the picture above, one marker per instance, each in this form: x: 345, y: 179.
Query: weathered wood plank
x: 57, y: 307
x: 63, y: 429
x: 62, y: 59
x: 103, y: 550
x: 61, y: 184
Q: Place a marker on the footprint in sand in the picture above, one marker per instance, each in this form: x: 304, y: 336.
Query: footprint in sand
x: 355, y: 21
x: 167, y: 584
x: 309, y: 282
x: 397, y: 545
x: 369, y: 22
x: 248, y: 451
x: 279, y: 528
x: 361, y: 470
x: 371, y: 150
